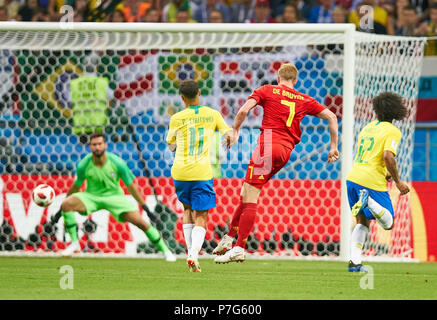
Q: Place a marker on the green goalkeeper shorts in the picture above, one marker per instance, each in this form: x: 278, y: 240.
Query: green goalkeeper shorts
x: 116, y: 205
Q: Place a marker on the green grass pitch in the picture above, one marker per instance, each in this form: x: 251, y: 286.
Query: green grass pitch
x: 154, y: 279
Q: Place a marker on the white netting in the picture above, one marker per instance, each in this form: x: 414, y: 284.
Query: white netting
x: 390, y: 66
x: 299, y: 212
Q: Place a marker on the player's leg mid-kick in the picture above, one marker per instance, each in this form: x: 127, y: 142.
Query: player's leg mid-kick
x: 263, y: 165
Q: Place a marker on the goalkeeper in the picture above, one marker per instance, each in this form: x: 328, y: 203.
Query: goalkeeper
x: 103, y: 170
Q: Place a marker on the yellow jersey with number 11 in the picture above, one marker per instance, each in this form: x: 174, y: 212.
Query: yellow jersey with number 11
x: 193, y: 129
x: 369, y: 168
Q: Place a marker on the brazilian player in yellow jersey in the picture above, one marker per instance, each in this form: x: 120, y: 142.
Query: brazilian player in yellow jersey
x: 190, y: 134
x: 373, y: 166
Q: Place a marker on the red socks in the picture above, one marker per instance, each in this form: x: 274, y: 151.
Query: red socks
x: 235, y: 220
x: 247, y: 221
x: 242, y: 222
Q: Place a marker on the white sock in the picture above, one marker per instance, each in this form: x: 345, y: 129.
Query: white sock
x: 197, y: 239
x: 188, y: 228
x: 357, y: 242
x: 381, y: 214
x: 75, y: 243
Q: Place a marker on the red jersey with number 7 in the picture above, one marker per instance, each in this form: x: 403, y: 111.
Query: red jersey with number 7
x: 284, y: 109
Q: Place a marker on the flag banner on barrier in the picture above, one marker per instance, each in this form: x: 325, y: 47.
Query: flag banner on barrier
x: 288, y: 221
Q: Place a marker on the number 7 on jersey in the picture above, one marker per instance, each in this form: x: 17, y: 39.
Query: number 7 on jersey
x: 291, y: 105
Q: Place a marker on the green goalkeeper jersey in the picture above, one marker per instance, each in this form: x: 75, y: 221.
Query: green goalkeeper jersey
x: 104, y: 181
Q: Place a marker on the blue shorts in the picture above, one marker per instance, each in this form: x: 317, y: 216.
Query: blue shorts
x: 382, y: 197
x: 199, y: 195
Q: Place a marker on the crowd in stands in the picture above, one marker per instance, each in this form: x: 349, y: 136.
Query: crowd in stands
x: 393, y: 17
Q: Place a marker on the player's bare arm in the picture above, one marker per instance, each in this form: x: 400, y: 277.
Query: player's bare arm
x: 133, y: 190
x: 242, y: 113
x: 390, y: 163
x: 239, y: 119
x: 333, y: 130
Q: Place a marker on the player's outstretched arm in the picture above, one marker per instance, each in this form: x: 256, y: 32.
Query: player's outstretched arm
x: 232, y: 138
x: 390, y: 163
x: 333, y: 130
x: 242, y: 114
x: 133, y: 190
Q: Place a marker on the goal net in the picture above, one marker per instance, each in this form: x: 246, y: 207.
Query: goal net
x: 302, y: 211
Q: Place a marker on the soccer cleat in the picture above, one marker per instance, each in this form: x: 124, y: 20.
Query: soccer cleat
x: 223, y: 246
x: 236, y: 254
x: 73, y: 248
x: 356, y: 267
x: 361, y: 203
x: 169, y: 256
x: 193, y: 265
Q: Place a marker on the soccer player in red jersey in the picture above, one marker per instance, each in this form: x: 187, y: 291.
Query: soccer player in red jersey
x: 284, y: 109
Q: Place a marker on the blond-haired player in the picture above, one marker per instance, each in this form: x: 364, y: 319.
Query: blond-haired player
x: 284, y: 109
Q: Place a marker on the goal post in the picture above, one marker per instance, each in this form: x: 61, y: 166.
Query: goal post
x: 144, y: 63
x: 347, y: 137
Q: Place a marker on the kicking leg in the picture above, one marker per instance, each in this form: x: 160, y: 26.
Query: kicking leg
x: 136, y: 219
x: 247, y: 220
x: 225, y: 243
x: 233, y: 227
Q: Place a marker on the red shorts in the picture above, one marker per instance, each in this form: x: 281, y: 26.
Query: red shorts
x: 265, y: 162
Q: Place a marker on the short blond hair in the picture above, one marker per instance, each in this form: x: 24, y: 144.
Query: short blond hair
x: 287, y: 72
